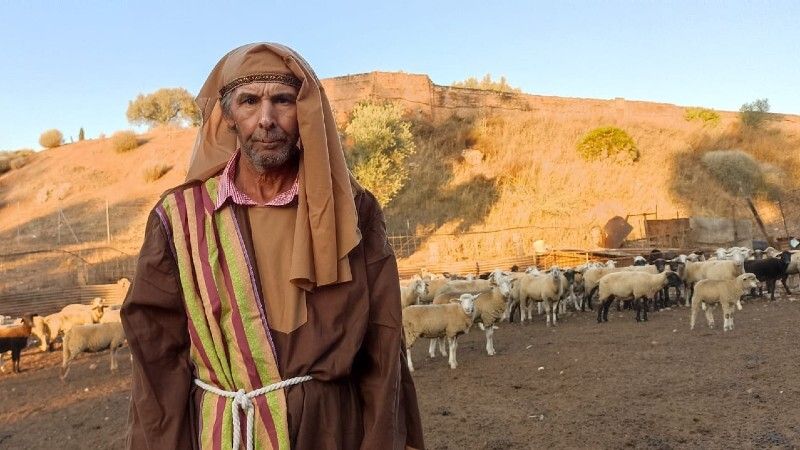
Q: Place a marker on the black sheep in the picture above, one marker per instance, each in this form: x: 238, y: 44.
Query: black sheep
x: 770, y: 270
x: 15, y: 339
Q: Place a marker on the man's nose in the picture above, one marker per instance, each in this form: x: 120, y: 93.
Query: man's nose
x: 266, y: 115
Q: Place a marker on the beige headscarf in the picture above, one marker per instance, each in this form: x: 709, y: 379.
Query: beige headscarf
x: 326, y: 227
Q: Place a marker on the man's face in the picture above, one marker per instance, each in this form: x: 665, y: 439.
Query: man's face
x: 264, y: 118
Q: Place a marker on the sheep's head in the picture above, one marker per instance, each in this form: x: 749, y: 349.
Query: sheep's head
x: 673, y: 279
x: 505, y: 285
x: 467, y: 302
x: 747, y: 281
x: 420, y: 287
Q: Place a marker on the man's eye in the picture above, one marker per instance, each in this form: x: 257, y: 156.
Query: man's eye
x: 251, y: 101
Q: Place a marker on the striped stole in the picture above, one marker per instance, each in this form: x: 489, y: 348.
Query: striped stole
x: 231, y: 347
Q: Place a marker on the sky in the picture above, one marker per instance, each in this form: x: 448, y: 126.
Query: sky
x: 68, y: 65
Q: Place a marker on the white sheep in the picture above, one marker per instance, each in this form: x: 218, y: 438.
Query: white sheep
x: 489, y: 309
x: 708, y: 270
x: 111, y: 316
x: 726, y: 293
x: 592, y: 276
x: 438, y: 321
x: 529, y: 289
x: 432, y: 286
x: 636, y: 285
x: 91, y: 338
x: 410, y: 295
x: 48, y: 328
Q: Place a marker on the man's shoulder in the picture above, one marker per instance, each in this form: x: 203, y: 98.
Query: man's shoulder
x: 177, y: 189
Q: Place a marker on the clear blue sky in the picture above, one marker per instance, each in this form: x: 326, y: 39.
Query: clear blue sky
x: 70, y: 64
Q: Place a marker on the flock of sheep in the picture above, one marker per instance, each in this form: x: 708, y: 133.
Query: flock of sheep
x: 441, y: 308
x: 82, y: 328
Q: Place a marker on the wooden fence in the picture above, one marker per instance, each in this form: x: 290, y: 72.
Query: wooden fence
x: 51, y: 301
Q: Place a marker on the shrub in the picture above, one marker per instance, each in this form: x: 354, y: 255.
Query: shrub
x: 608, y: 143
x: 13, y: 160
x: 487, y: 83
x: 164, y: 106
x: 705, y: 115
x: 380, y: 142
x: 155, y: 172
x: 124, y: 141
x: 51, y: 139
x: 753, y: 114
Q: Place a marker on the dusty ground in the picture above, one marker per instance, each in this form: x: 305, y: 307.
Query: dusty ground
x: 582, y: 385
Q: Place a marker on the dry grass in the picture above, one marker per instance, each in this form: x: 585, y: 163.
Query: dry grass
x: 155, y: 172
x: 124, y: 141
x: 531, y: 175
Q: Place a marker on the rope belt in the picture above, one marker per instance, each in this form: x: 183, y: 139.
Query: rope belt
x: 243, y: 400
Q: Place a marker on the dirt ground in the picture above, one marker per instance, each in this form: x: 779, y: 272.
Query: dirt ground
x: 580, y: 385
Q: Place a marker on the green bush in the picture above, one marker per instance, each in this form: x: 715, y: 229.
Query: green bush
x: 755, y: 113
x: 155, y: 172
x: 51, y: 139
x: 124, y: 141
x: 705, y: 115
x: 608, y: 143
x: 380, y: 141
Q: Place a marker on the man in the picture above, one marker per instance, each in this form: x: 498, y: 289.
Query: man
x: 265, y: 310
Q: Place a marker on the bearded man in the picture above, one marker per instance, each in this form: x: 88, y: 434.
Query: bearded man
x: 265, y: 310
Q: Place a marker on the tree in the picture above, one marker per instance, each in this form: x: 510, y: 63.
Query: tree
x: 164, y: 106
x: 753, y: 114
x: 740, y: 175
x: 81, y: 135
x: 380, y: 142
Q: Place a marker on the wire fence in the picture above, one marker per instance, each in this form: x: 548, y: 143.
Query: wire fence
x: 48, y: 269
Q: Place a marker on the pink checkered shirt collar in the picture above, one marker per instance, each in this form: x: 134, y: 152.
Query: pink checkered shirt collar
x: 228, y: 190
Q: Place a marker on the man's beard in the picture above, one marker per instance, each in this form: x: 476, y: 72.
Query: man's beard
x: 264, y: 160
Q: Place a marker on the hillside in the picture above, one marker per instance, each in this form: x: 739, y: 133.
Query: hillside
x: 484, y: 161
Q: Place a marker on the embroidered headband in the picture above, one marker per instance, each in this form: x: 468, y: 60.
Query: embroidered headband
x: 270, y: 77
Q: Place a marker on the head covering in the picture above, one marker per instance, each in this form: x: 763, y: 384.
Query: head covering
x: 326, y: 227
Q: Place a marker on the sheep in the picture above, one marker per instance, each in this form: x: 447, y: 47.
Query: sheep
x: 48, y: 328
x: 639, y: 261
x: 432, y: 286
x: 770, y: 270
x: 462, y: 286
x: 411, y: 294
x: 794, y: 264
x: 438, y: 321
x: 15, y: 338
x: 728, y: 293
x: 91, y: 338
x: 707, y: 270
x: 111, y: 316
x: 640, y: 286
x: 592, y: 276
x: 489, y: 308
x: 546, y: 288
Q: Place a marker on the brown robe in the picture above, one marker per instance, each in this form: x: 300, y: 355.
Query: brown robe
x: 362, y: 395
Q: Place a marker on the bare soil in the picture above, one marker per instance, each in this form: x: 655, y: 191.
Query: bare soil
x: 580, y: 385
